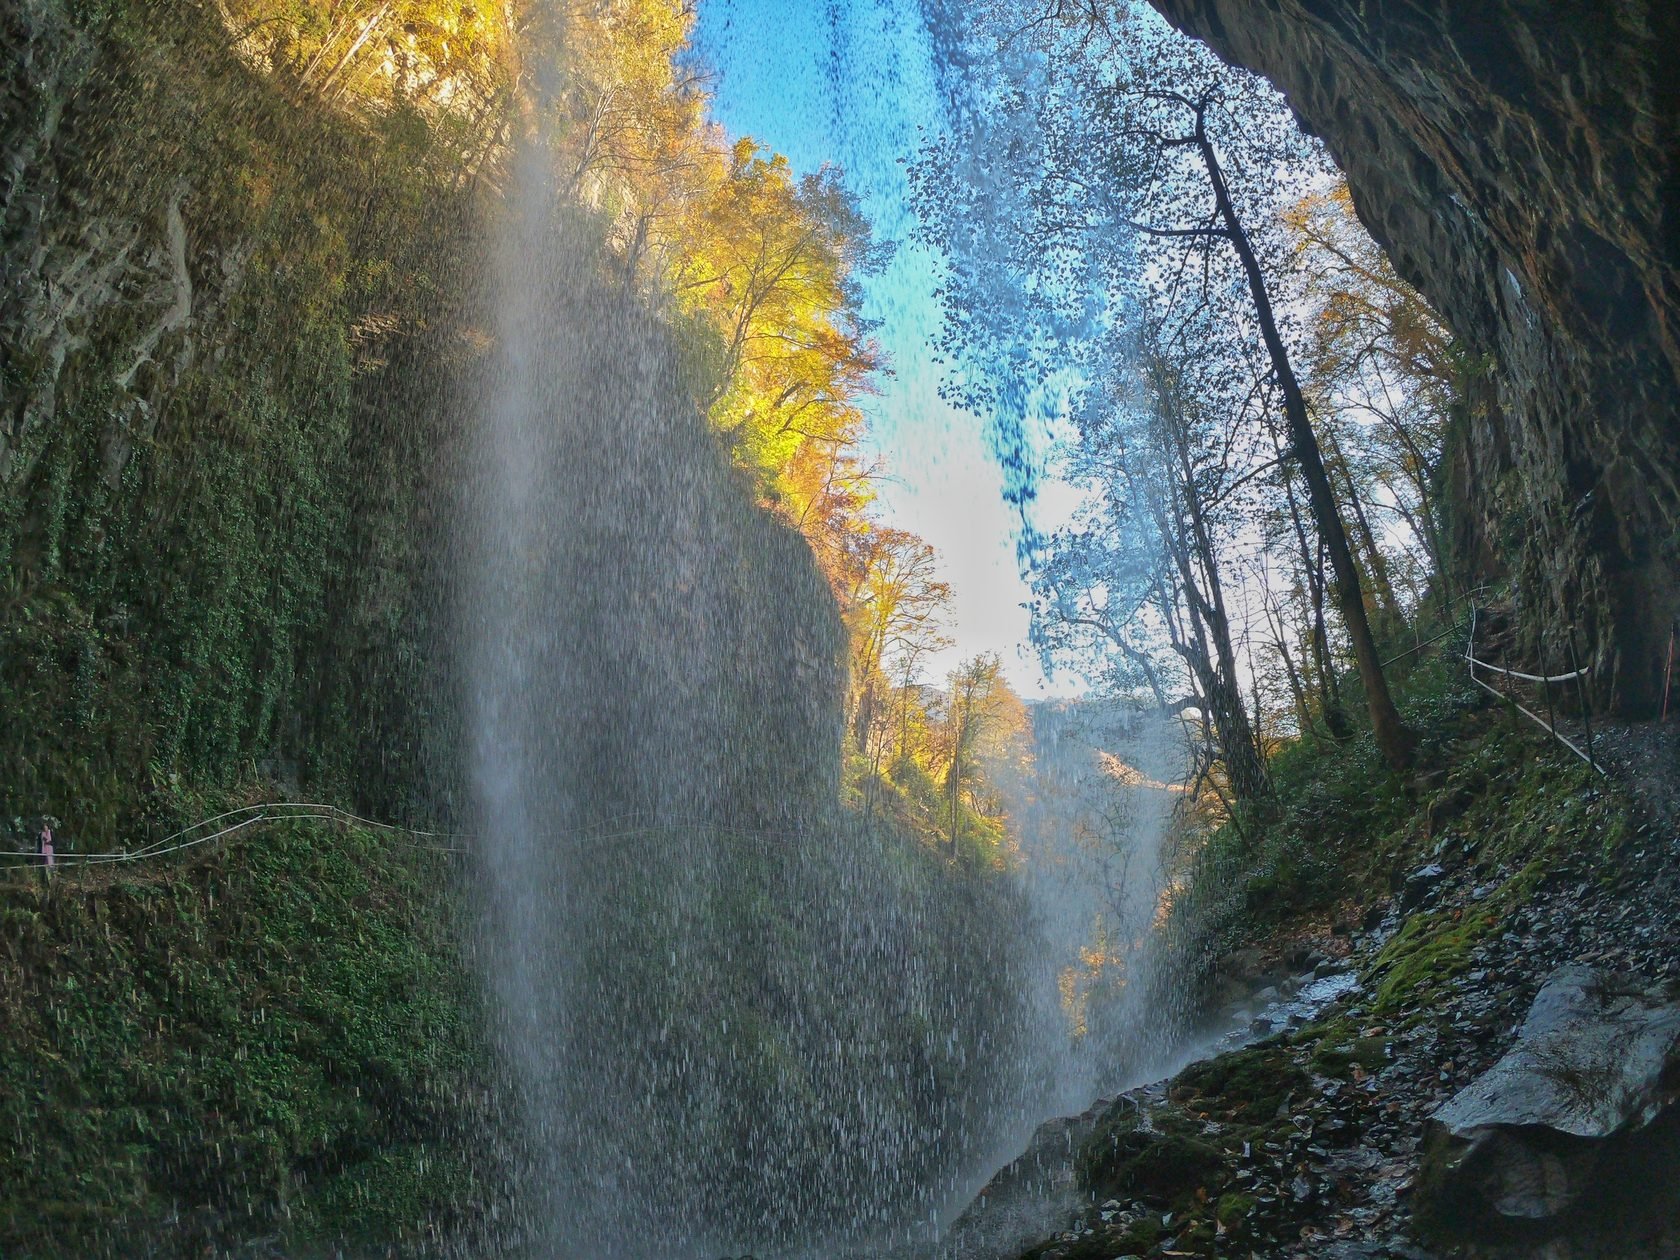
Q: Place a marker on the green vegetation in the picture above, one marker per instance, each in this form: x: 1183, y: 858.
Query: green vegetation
x: 280, y: 1039
x: 213, y: 575
x: 1487, y: 792
x: 1252, y: 1086
x: 208, y: 542
x: 1487, y: 796
x: 1338, y: 1050
x: 1182, y: 1157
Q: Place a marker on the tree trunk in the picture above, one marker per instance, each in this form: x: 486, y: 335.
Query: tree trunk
x: 1302, y: 713
x: 1376, y: 567
x: 1215, y: 670
x: 1393, y: 739
x: 1318, y: 661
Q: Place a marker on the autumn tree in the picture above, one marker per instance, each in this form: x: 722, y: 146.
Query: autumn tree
x: 1143, y: 567
x: 1380, y: 366
x: 895, y: 615
x: 981, y: 713
x: 442, y: 56
x: 1173, y: 123
x: 1139, y: 183
x: 772, y: 265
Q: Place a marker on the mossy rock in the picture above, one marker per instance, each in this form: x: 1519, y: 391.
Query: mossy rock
x: 1427, y: 952
x: 1138, y: 1239
x: 1250, y: 1087
x: 1156, y: 1164
x: 1233, y: 1209
x: 1337, y: 1051
x: 1140, y: 1236
x: 1093, y: 1248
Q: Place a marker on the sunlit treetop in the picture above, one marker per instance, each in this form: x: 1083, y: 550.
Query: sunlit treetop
x: 755, y: 267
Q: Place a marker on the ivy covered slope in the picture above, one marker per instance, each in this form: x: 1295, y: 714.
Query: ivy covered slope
x: 1489, y: 794
x: 278, y: 1041
x: 221, y: 347
x: 228, y: 313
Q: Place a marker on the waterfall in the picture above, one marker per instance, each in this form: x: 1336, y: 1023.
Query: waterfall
x: 733, y: 1017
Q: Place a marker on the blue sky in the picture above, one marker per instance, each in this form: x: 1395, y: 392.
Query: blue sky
x: 851, y: 82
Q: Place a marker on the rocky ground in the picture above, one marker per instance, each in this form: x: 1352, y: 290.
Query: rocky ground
x: 1312, y: 1141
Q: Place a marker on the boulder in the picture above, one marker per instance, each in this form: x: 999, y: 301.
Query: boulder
x: 1030, y: 1197
x: 1547, y: 1137
x: 1243, y: 965
x: 1419, y: 884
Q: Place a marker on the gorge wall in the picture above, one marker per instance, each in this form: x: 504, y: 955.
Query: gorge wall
x: 243, y: 336
x: 1521, y: 164
x: 225, y: 317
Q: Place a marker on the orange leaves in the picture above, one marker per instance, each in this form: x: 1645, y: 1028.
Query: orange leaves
x: 767, y: 261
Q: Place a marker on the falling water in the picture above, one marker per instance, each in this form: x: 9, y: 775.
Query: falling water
x: 733, y: 1019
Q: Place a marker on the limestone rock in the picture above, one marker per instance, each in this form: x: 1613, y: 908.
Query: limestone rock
x: 1419, y: 884
x: 1530, y: 1143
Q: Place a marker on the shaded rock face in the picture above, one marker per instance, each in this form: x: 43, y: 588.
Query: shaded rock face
x: 1519, y: 162
x: 1579, y: 1109
x: 1032, y: 1195
x: 675, y: 652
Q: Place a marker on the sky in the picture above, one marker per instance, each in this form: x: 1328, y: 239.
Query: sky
x: 851, y: 82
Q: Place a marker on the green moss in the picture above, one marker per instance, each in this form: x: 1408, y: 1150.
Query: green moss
x: 1233, y: 1209
x: 1427, y: 952
x: 1251, y: 1086
x: 1337, y: 1050
x: 280, y: 1040
x: 1159, y: 1164
x: 1140, y: 1236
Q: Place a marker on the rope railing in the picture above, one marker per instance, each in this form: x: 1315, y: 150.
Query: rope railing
x: 232, y: 821
x: 1429, y: 642
x: 610, y: 832
x: 1577, y: 675
x: 1533, y: 678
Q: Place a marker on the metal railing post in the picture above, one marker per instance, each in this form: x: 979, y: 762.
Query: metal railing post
x: 1546, y: 683
x: 1668, y: 671
x: 1584, y: 696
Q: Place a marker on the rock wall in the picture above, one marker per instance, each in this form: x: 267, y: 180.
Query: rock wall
x: 1519, y: 162
x: 241, y: 342
x: 675, y: 653
x: 215, y: 441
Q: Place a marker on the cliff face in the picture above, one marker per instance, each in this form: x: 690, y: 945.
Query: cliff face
x: 242, y: 337
x: 214, y: 458
x: 678, y: 650
x: 1520, y: 164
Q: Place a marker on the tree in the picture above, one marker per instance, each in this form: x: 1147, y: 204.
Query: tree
x: 1184, y: 505
x: 981, y: 714
x: 771, y: 263
x: 1144, y: 562
x: 894, y: 616
x: 1149, y: 161
x: 1225, y: 225
x: 1381, y: 368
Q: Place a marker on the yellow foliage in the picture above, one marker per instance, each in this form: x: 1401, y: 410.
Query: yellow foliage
x: 768, y: 261
x: 441, y: 54
x: 756, y: 265
x: 723, y: 234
